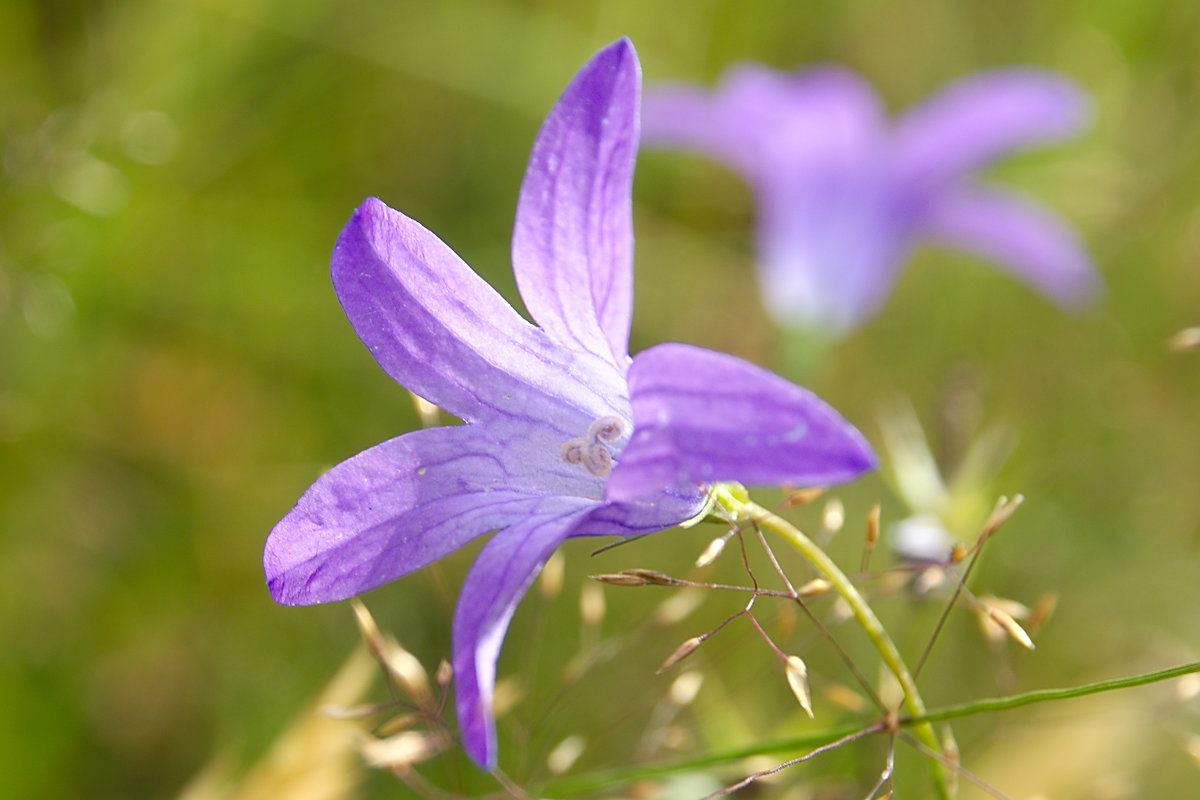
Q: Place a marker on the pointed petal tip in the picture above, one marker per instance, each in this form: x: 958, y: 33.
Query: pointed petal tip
x: 620, y: 57
x: 481, y: 750
x: 370, y: 208
x: 274, y: 573
x: 1080, y: 109
x: 703, y: 416
x: 1056, y: 103
x: 1066, y: 105
x: 368, y: 213
x: 283, y: 594
x: 1085, y: 292
x: 619, y: 50
x: 476, y: 724
x: 864, y: 459
x: 282, y: 585
x: 370, y: 203
x: 617, y: 56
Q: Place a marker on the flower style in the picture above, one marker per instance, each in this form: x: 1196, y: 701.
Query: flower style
x: 564, y: 434
x: 843, y: 197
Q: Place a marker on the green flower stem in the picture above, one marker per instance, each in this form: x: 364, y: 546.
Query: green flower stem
x: 607, y: 781
x: 733, y: 499
x: 582, y: 784
x: 1046, y: 695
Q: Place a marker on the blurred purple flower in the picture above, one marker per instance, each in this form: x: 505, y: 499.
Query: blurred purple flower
x: 565, y: 435
x: 843, y: 196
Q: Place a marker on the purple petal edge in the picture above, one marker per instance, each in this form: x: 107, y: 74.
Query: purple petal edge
x: 387, y: 511
x: 433, y: 324
x: 572, y: 247
x: 501, y: 574
x: 1020, y: 235
x: 700, y: 416
x: 984, y: 117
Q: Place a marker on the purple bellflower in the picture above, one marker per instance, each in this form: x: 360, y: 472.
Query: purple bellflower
x: 564, y: 434
x: 843, y: 196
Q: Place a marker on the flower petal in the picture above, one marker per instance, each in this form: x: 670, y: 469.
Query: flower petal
x: 390, y: 510
x: 573, y: 243
x: 649, y: 513
x: 685, y: 116
x: 1020, y: 235
x: 772, y: 127
x: 813, y: 143
x: 700, y: 416
x: 981, y: 118
x: 438, y: 329
x: 502, y: 572
x: 830, y: 245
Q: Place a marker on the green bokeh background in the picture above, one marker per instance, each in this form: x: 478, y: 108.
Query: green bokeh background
x: 175, y: 368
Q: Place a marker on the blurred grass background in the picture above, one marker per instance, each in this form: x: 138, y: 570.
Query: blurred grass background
x: 175, y: 369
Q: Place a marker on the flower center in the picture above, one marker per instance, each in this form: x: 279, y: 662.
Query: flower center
x: 591, y: 450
